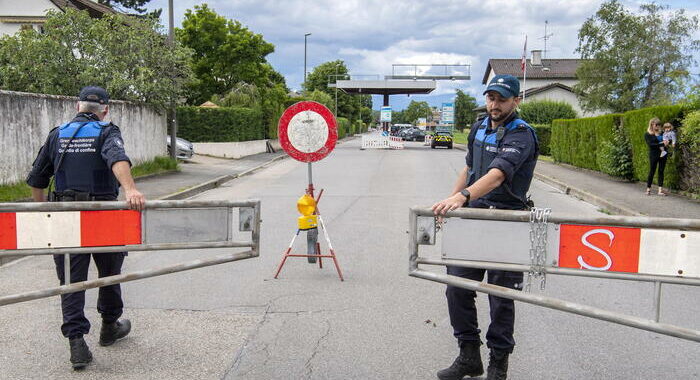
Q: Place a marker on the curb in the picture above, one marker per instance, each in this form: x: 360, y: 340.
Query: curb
x: 216, y: 182
x: 586, y: 196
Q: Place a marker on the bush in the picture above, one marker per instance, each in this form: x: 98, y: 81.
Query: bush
x: 615, y: 157
x: 577, y: 141
x: 635, y: 124
x: 545, y: 111
x: 544, y: 134
x: 344, y: 127
x: 689, y: 148
x: 223, y: 124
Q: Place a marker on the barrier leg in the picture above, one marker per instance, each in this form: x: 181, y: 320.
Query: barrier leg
x: 318, y: 252
x: 286, y: 254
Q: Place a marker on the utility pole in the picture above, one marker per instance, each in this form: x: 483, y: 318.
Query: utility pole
x: 305, y: 36
x: 172, y: 122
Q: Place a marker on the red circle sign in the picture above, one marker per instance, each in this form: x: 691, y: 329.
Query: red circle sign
x: 307, y: 131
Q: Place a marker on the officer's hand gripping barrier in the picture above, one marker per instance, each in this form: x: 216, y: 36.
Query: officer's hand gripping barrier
x: 664, y: 251
x: 28, y: 229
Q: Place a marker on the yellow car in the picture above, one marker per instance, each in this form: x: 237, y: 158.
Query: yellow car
x: 442, y: 139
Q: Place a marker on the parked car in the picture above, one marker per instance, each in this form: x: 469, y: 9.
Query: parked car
x: 185, y: 149
x: 415, y: 134
x: 441, y: 138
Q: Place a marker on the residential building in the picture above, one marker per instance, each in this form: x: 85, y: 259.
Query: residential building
x: 31, y: 14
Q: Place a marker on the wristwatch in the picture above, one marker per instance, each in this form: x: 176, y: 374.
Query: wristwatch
x: 466, y: 194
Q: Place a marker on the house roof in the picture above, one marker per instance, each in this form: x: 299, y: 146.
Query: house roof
x: 95, y: 10
x: 558, y: 68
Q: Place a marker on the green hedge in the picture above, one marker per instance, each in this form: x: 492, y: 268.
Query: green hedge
x: 544, y: 135
x: 689, y: 147
x: 545, y: 111
x: 576, y: 141
x: 223, y: 124
x: 635, y: 124
x: 344, y: 127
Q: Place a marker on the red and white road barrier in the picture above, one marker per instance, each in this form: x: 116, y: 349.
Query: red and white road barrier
x: 381, y: 142
x: 69, y: 229
x: 428, y: 139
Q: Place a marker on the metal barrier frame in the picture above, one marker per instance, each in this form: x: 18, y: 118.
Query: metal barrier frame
x: 252, y: 225
x: 551, y: 302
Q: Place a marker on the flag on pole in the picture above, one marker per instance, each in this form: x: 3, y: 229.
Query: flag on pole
x: 523, y: 61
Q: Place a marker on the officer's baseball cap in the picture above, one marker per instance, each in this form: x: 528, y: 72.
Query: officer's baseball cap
x: 506, y: 85
x: 94, y: 94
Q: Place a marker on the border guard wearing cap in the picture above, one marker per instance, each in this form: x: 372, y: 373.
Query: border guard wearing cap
x: 501, y: 158
x: 86, y: 159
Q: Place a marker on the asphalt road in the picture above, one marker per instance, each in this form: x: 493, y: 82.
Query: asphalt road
x: 235, y: 321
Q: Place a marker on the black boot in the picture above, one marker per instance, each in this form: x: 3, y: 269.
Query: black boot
x: 111, y: 332
x: 498, y: 365
x: 468, y: 363
x: 80, y: 354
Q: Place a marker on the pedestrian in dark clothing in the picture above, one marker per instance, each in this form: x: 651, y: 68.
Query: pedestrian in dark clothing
x: 87, y: 161
x: 656, y: 144
x: 500, y: 163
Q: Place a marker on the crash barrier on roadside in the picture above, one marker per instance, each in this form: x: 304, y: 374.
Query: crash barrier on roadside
x: 658, y: 250
x: 428, y: 139
x: 28, y: 229
x: 381, y: 142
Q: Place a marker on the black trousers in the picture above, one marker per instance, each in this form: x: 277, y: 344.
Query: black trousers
x: 654, y: 161
x: 462, y: 308
x: 109, y: 299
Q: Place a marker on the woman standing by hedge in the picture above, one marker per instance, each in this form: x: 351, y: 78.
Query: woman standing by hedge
x: 655, y: 142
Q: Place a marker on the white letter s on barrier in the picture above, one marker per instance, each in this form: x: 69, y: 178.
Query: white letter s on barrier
x: 585, y: 242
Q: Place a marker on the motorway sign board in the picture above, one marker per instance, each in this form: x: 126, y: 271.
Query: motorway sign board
x: 448, y: 113
x: 385, y: 115
x: 307, y: 131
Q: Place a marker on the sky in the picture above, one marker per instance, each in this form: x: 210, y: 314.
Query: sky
x: 371, y: 35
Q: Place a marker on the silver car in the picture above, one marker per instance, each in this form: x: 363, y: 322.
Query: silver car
x: 185, y: 149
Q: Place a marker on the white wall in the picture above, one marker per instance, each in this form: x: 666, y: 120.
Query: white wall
x: 26, y: 119
x: 234, y: 149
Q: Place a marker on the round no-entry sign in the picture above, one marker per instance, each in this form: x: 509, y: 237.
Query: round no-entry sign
x: 307, y: 131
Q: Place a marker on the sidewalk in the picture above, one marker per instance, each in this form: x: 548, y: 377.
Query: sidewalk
x: 613, y: 195
x: 202, y: 173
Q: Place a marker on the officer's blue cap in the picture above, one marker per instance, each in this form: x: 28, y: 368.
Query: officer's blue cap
x: 506, y: 85
x: 94, y: 94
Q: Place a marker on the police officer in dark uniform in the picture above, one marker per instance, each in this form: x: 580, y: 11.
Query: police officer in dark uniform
x: 87, y: 161
x: 500, y: 163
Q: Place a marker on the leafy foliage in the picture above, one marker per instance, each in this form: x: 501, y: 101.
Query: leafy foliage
x: 465, y: 115
x: 350, y: 106
x: 225, y: 53
x: 577, y: 141
x: 636, y: 123
x: 544, y: 111
x: 634, y: 60
x: 416, y: 110
x: 125, y: 55
x: 615, y: 157
x: 223, y: 124
x: 544, y: 135
x: 136, y: 5
x: 689, y: 145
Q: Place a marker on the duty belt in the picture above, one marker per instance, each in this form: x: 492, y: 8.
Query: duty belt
x: 77, y: 196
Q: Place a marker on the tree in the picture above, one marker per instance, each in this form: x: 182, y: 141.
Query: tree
x: 634, y: 60
x: 125, y: 55
x: 465, y: 115
x: 225, y: 53
x: 416, y: 110
x: 136, y: 5
x: 349, y: 106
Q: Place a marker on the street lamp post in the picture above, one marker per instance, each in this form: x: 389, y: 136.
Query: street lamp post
x: 172, y: 123
x: 305, y: 37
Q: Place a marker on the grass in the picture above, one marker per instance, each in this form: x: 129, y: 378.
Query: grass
x: 546, y: 158
x: 160, y: 164
x: 460, y: 137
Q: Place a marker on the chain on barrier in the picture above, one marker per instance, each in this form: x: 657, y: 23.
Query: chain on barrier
x: 538, y: 246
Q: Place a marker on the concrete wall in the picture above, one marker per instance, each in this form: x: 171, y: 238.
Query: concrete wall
x: 234, y: 149
x: 26, y: 119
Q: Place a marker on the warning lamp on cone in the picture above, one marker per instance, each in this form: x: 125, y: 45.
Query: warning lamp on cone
x: 307, y: 206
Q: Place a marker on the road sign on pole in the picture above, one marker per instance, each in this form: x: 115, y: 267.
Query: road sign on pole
x: 307, y: 131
